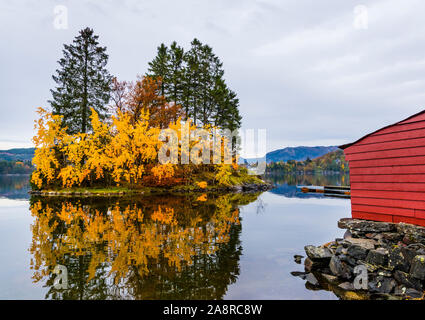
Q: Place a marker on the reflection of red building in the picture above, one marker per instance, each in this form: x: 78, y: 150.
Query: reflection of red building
x: 387, y: 173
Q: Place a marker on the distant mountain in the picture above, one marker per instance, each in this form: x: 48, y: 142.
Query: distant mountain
x: 21, y: 154
x: 293, y: 153
x: 298, y: 153
x: 332, y: 162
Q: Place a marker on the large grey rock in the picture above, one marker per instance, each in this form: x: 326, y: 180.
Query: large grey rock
x: 340, y: 268
x: 318, y: 253
x: 366, y: 225
x: 382, y: 285
x: 388, y: 285
x: 349, y: 260
x: 378, y: 257
x: 397, y: 260
x: 409, y: 253
x: 357, y: 252
x: 367, y: 244
x: 417, y: 270
x: 407, y: 280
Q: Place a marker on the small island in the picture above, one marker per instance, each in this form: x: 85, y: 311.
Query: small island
x: 173, y: 130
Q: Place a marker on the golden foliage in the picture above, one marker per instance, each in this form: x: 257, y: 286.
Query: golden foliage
x: 202, y: 184
x: 223, y: 174
x: 163, y: 171
x: 119, y: 151
x: 125, y: 150
x: 48, y: 138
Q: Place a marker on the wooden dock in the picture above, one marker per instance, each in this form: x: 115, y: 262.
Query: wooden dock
x: 328, y: 191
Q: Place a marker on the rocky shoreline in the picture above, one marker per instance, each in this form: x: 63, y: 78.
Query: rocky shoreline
x: 245, y: 188
x: 374, y: 260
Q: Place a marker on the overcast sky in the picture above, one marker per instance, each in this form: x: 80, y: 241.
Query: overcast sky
x: 310, y: 72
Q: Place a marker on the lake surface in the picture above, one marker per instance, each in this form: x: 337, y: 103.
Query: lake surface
x: 226, y: 246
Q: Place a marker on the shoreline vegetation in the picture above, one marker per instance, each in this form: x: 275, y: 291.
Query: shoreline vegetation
x: 124, y: 157
x: 147, y: 191
x: 240, y: 183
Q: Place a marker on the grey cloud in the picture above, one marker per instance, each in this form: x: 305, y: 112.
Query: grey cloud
x: 300, y: 68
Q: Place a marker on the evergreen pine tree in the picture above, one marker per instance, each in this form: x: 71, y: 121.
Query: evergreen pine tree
x: 175, y: 73
x: 192, y: 80
x: 159, y: 67
x: 195, y: 80
x: 83, y: 82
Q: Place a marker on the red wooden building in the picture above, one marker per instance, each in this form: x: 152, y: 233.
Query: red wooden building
x: 387, y: 173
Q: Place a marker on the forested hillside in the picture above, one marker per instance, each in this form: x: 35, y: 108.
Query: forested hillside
x: 331, y: 162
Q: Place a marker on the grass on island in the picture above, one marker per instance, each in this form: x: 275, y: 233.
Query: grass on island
x: 236, y: 179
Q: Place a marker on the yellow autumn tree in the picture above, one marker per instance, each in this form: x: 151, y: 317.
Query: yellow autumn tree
x: 47, y: 141
x: 132, y: 147
x: 125, y: 151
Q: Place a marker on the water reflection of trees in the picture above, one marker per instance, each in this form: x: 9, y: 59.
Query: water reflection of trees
x: 150, y: 248
x: 14, y: 186
x: 306, y: 179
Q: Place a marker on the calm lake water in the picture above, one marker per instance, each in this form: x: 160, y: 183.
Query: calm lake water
x: 182, y: 247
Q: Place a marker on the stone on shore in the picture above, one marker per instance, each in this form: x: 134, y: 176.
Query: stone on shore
x: 392, y: 256
x: 398, y: 261
x: 365, y: 225
x: 417, y: 270
x: 368, y: 244
x: 407, y: 280
x: 382, y: 284
x: 339, y: 268
x: 318, y: 254
x: 378, y: 257
x: 357, y: 252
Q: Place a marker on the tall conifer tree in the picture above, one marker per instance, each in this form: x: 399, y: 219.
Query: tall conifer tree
x: 83, y: 82
x: 195, y: 79
x: 159, y: 67
x: 176, y: 73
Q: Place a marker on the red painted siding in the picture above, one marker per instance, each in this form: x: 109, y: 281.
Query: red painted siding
x: 387, y: 173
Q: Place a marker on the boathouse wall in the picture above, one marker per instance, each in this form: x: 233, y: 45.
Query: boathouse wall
x: 387, y: 173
